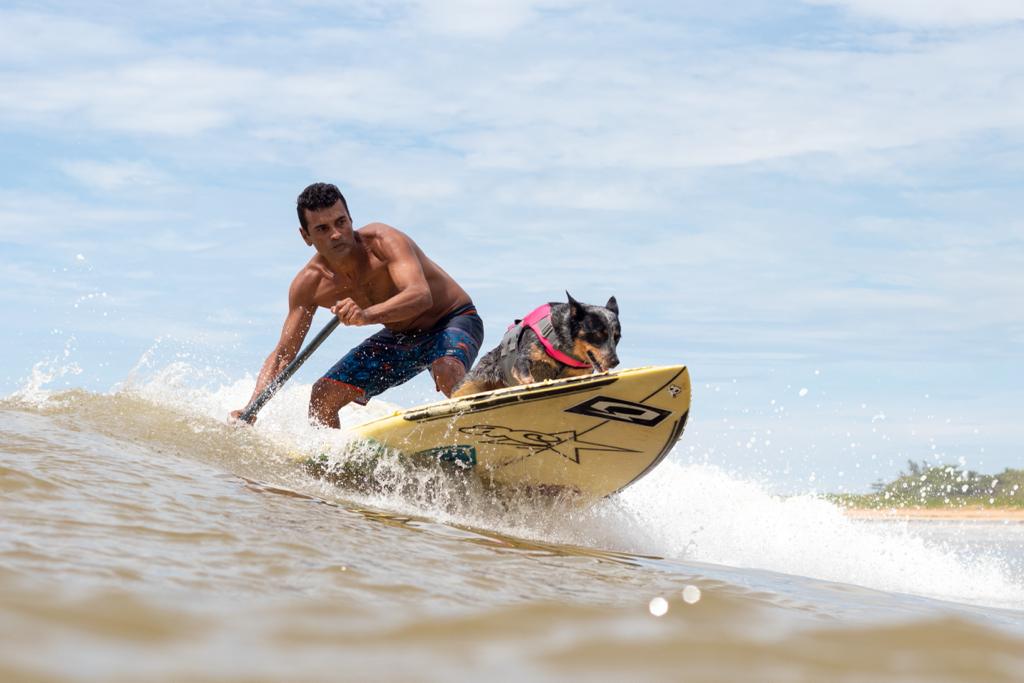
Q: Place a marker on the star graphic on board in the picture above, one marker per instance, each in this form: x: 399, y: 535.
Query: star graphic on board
x: 541, y: 442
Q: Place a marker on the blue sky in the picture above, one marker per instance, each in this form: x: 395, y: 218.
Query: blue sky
x: 820, y: 195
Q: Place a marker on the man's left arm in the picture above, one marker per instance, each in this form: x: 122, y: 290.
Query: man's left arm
x: 404, y: 268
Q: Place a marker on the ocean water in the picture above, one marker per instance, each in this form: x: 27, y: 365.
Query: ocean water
x: 143, y: 539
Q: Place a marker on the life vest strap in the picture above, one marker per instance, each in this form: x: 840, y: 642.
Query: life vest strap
x: 539, y: 320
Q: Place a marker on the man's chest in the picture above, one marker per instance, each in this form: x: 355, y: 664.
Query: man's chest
x: 372, y: 290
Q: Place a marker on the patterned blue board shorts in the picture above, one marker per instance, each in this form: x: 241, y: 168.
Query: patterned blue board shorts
x: 389, y: 358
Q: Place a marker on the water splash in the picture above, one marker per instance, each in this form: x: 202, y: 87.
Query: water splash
x: 681, y: 511
x: 690, y: 512
x: 701, y: 513
x: 45, y: 373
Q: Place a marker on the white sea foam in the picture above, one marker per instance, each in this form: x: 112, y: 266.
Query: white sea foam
x: 680, y: 511
x: 699, y: 512
x: 44, y: 373
x: 283, y: 421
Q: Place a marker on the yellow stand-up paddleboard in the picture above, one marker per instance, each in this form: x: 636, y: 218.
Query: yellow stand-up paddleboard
x: 590, y: 436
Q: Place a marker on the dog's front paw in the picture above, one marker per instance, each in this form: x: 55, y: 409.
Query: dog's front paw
x: 522, y: 377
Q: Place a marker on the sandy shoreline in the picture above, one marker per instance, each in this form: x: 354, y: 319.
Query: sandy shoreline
x: 965, y: 513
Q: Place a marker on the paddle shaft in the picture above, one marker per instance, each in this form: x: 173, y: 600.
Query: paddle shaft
x: 249, y: 414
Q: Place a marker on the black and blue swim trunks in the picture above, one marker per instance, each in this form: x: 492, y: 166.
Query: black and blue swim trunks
x: 390, y: 358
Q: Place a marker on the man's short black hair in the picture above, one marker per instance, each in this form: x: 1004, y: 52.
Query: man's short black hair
x: 316, y: 197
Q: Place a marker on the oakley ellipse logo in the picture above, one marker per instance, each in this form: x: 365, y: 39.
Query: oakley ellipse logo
x: 607, y: 408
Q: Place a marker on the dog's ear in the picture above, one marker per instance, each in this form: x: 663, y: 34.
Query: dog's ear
x: 612, y: 305
x: 576, y: 311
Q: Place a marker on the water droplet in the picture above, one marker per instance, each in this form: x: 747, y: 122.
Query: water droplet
x: 691, y: 595
x: 658, y: 607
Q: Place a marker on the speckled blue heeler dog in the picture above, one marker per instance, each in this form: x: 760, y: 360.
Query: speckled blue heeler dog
x: 554, y: 341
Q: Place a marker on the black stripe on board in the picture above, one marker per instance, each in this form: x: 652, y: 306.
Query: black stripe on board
x: 426, y: 414
x: 677, y: 432
x: 673, y: 379
x: 645, y: 398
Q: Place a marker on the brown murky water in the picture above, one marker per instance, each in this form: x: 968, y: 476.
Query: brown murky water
x: 141, y: 539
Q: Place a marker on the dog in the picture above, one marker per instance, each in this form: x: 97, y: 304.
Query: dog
x: 554, y: 341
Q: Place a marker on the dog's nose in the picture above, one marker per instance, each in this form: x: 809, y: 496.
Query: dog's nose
x: 613, y: 361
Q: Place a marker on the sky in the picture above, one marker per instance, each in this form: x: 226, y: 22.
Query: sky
x: 814, y: 205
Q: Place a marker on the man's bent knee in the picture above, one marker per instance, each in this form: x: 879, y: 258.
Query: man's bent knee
x: 327, y: 398
x: 448, y: 371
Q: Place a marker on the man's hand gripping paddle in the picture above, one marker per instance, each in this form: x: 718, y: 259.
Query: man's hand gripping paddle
x: 249, y: 414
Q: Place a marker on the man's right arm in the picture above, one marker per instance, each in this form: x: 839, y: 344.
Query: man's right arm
x: 300, y: 316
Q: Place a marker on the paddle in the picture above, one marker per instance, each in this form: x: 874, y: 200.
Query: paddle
x: 249, y: 414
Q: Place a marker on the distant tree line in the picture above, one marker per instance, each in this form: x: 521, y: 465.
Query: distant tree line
x: 944, y: 485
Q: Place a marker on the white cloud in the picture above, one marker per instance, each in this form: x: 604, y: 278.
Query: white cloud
x: 42, y: 38
x: 414, y: 174
x: 568, y: 132
x: 940, y: 13
x: 534, y: 106
x: 480, y: 18
x: 473, y: 18
x: 585, y: 192
x: 168, y: 242
x: 115, y: 175
x: 24, y: 283
x: 25, y: 216
x: 165, y: 97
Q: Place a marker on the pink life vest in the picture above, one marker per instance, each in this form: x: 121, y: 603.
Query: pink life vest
x: 539, y: 320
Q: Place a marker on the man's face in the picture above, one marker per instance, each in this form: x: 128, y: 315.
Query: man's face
x: 329, y: 230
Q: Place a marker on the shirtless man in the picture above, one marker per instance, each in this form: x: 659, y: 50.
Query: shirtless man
x: 373, y: 275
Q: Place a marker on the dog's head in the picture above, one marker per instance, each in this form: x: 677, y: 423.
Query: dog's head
x: 595, y: 332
